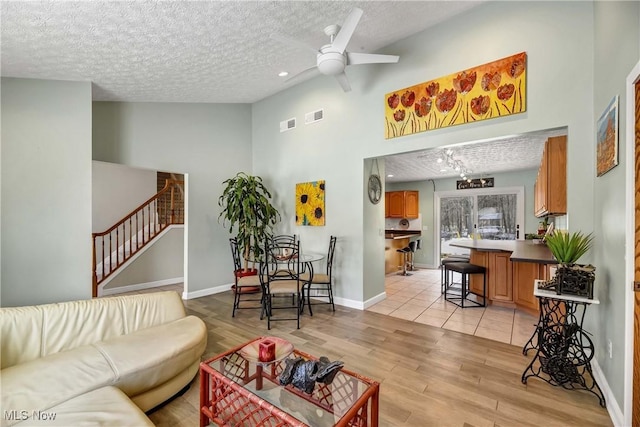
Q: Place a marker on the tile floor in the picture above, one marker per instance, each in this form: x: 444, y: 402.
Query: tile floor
x: 417, y: 298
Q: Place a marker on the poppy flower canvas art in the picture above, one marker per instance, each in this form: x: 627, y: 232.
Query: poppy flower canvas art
x: 495, y: 89
x: 310, y: 203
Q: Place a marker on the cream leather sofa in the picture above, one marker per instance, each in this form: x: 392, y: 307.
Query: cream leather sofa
x: 96, y: 362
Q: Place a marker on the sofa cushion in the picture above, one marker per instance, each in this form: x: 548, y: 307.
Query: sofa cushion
x: 46, y: 382
x: 73, y: 324
x: 106, y: 406
x: 21, y: 332
x: 148, y: 358
x: 36, y: 331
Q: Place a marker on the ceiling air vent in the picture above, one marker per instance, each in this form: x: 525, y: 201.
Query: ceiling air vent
x: 288, y: 124
x: 313, y: 116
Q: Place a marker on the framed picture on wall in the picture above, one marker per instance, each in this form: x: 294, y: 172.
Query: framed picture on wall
x: 607, y: 138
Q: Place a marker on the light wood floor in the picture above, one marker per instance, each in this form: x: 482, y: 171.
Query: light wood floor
x: 429, y: 376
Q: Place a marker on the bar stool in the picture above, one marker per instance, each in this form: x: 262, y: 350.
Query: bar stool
x: 466, y: 270
x: 413, y: 247
x: 404, y: 251
x: 447, y: 260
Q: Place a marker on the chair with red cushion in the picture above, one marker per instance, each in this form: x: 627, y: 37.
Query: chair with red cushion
x: 246, y: 282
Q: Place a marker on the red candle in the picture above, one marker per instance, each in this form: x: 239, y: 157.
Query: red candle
x: 267, y: 351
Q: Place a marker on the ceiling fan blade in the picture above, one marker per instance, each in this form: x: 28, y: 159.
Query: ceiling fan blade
x: 344, y: 82
x: 341, y: 40
x: 303, y: 74
x: 293, y: 42
x: 370, y: 58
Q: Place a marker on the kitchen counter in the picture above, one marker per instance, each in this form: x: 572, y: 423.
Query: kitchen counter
x: 394, y: 240
x: 512, y: 266
x: 399, y: 235
x: 521, y: 250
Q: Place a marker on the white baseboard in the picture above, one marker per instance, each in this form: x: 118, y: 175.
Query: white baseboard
x: 347, y: 302
x: 205, y: 292
x: 615, y: 413
x: 429, y: 266
x: 139, y: 286
x: 371, y: 301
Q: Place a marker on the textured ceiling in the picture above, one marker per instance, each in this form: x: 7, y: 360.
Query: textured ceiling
x: 482, y: 158
x: 178, y: 51
x: 222, y: 52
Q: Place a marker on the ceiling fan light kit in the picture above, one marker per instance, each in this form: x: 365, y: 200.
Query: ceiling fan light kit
x: 331, y: 63
x: 332, y: 59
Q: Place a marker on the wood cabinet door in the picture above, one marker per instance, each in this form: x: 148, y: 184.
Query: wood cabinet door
x: 550, y: 191
x: 475, y: 280
x: 524, y: 275
x: 556, y: 197
x: 396, y: 204
x: 411, y: 204
x: 500, y: 276
x: 541, y: 186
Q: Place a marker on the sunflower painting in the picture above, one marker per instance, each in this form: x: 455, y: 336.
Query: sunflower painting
x: 310, y: 203
x: 496, y: 89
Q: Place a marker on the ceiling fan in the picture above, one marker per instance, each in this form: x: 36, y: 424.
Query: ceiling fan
x: 332, y: 58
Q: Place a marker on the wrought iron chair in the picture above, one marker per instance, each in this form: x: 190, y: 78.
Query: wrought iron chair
x: 280, y: 277
x: 245, y: 283
x: 321, y: 283
x: 283, y: 240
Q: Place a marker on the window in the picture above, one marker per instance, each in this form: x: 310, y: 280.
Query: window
x: 493, y: 214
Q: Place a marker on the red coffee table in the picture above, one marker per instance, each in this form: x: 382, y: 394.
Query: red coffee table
x: 236, y: 391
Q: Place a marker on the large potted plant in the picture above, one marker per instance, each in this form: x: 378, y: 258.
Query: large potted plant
x: 246, y: 207
x: 567, y: 248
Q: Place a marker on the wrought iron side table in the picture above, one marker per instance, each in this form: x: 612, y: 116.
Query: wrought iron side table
x: 563, y: 349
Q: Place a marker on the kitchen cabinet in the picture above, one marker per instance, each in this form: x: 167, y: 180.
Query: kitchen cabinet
x: 475, y: 280
x: 509, y: 283
x: 499, y: 275
x: 524, y: 275
x: 550, y: 190
x: 392, y: 258
x: 402, y: 204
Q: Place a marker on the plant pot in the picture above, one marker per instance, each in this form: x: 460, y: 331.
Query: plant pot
x: 575, y: 279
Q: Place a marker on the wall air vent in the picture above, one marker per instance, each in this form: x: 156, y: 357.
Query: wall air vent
x: 313, y: 116
x: 288, y: 124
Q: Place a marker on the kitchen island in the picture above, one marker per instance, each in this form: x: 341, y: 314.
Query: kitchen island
x: 512, y: 268
x: 394, y: 240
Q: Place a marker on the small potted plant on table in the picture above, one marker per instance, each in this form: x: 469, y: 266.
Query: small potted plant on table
x: 571, y: 278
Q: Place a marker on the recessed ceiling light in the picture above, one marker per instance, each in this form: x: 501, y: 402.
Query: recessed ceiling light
x: 390, y: 176
x: 283, y: 74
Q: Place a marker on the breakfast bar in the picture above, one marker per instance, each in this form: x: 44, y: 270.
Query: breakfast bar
x: 396, y: 239
x: 512, y: 268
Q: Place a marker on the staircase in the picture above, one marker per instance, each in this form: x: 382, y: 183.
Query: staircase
x: 114, y: 247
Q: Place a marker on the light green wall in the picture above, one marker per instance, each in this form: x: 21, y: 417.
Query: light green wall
x: 117, y: 190
x: 525, y: 178
x: 617, y: 51
x: 46, y: 191
x: 209, y: 142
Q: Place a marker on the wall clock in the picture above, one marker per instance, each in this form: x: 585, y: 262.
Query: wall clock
x: 375, y: 189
